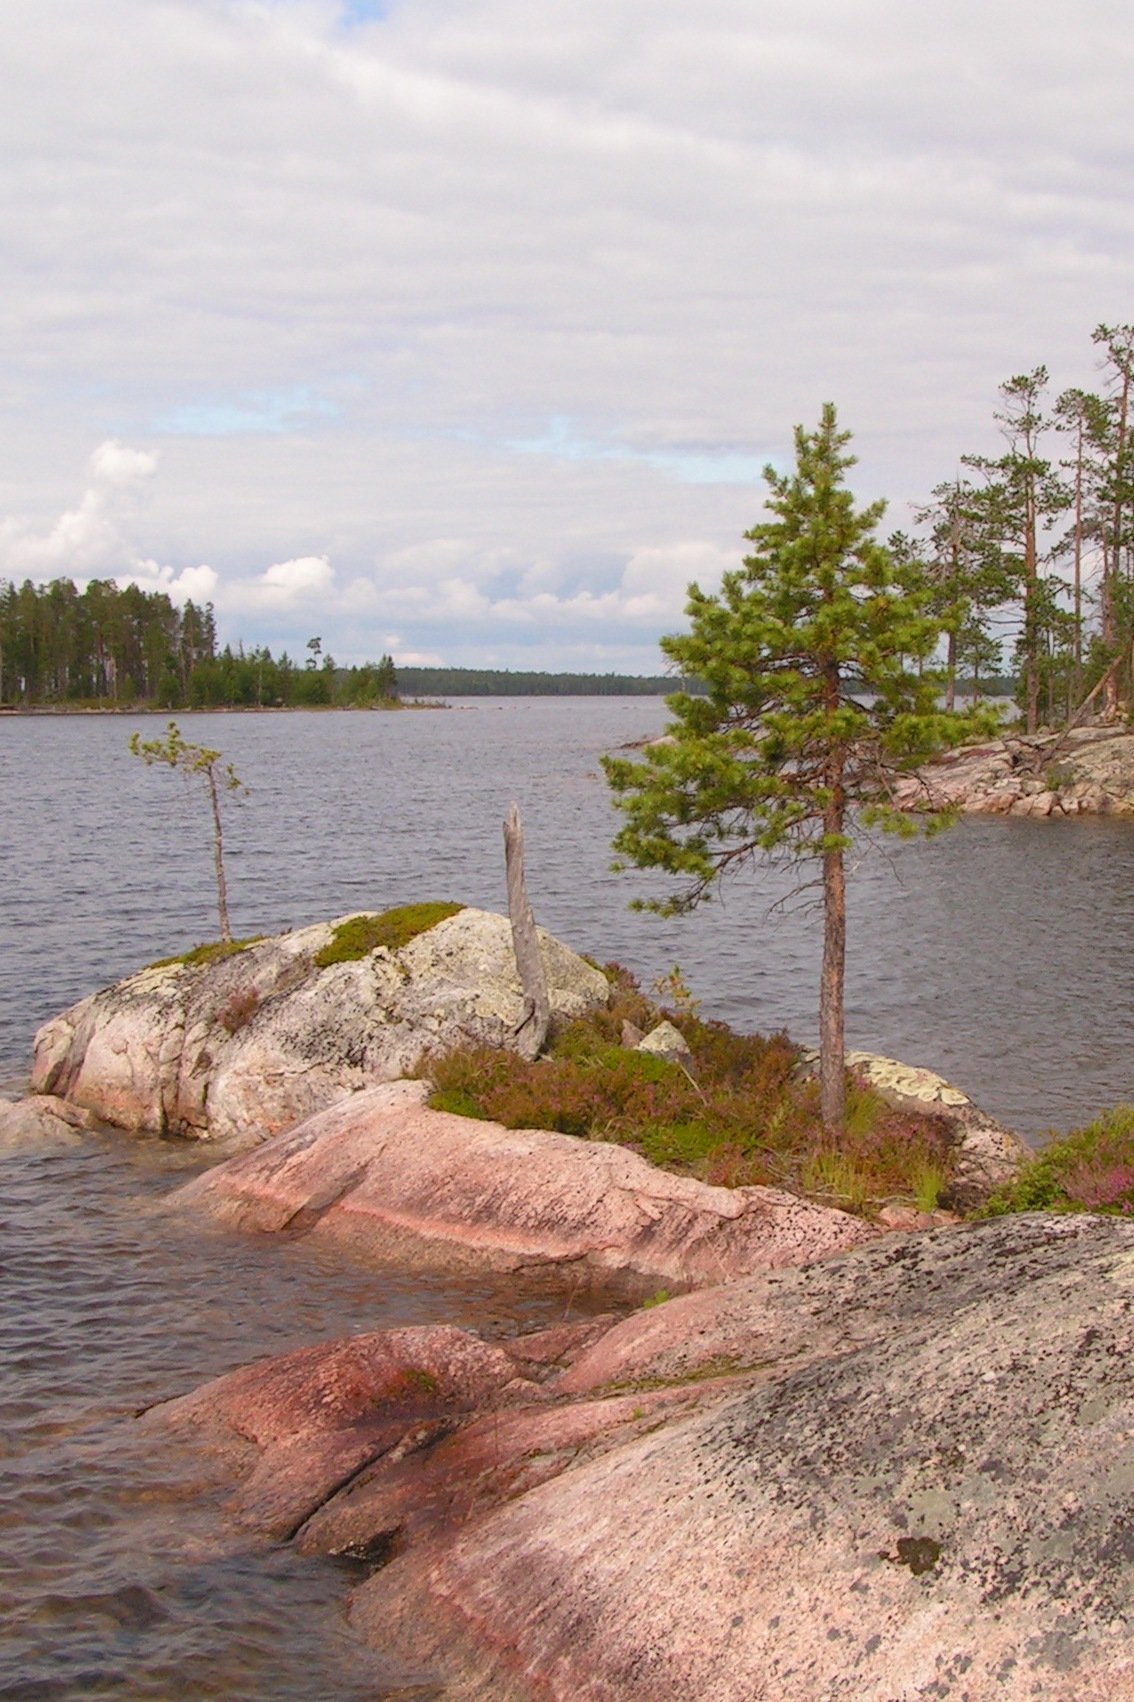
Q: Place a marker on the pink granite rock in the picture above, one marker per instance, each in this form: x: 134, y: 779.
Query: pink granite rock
x: 903, y: 1473
x: 392, y: 1179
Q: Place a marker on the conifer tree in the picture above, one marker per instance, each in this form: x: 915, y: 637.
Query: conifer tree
x: 813, y: 657
x: 177, y: 753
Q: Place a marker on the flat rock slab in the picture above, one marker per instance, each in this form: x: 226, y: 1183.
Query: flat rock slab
x: 899, y: 1474
x: 429, y: 1190
x: 938, y: 1505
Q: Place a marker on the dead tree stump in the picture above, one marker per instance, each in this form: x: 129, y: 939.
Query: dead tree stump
x: 531, y: 1032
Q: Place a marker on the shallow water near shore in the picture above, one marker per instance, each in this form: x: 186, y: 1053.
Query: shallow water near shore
x: 997, y: 954
x: 120, y: 1574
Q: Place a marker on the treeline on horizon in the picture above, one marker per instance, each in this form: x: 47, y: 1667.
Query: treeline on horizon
x: 507, y: 682
x: 1025, y: 559
x: 119, y: 646
x: 111, y: 646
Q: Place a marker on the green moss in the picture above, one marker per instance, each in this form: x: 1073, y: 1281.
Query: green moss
x: 210, y: 953
x: 358, y: 936
x: 680, y: 1145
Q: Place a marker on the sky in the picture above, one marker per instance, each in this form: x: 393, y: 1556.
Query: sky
x: 462, y: 329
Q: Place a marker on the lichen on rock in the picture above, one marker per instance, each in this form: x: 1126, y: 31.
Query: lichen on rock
x: 245, y: 1045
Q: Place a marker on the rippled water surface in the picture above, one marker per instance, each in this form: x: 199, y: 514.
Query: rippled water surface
x: 998, y: 954
x: 119, y: 1575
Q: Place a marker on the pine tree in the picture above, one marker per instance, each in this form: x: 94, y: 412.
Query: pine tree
x: 813, y: 658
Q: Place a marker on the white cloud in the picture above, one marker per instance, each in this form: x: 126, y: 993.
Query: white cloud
x: 483, y: 314
x: 115, y: 464
x: 284, y: 585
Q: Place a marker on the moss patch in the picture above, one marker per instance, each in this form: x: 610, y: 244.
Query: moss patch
x: 210, y: 953
x: 358, y: 936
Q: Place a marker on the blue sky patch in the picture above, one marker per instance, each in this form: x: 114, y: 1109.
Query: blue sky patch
x: 691, y: 466
x: 259, y: 412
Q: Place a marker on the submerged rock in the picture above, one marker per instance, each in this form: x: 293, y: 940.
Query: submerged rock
x: 389, y: 1177
x: 906, y: 1472
x: 248, y: 1044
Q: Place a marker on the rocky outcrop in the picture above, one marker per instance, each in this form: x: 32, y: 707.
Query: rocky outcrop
x: 906, y: 1472
x: 244, y: 1046
x: 1089, y: 771
x: 382, y: 1173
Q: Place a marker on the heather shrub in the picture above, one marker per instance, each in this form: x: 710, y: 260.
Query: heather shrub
x: 740, y: 1114
x: 1090, y: 1169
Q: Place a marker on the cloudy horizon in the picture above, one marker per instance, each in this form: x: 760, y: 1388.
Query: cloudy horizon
x: 462, y: 329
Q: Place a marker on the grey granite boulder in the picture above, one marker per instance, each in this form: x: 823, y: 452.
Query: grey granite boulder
x: 244, y: 1046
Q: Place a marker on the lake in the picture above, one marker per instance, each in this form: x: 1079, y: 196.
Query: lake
x: 997, y: 953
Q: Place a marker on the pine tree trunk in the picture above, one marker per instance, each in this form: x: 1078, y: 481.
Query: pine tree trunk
x: 218, y: 858
x: 832, y: 1044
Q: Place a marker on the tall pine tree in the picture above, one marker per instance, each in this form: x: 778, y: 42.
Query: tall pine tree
x: 812, y: 654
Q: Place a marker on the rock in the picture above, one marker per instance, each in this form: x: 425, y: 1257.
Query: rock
x: 985, y: 1152
x: 394, y: 1180
x: 1088, y: 771
x: 299, y: 1427
x: 247, y: 1045
x: 903, y: 1472
x: 666, y: 1041
x: 41, y: 1117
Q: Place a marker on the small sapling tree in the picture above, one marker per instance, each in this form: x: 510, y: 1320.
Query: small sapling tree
x: 177, y: 753
x: 812, y: 656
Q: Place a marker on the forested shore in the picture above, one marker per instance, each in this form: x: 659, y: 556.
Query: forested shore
x: 118, y: 647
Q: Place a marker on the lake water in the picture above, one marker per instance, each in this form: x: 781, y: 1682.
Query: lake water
x: 998, y: 954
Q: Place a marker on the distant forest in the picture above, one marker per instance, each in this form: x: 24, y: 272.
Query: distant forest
x: 119, y: 647
x: 499, y: 682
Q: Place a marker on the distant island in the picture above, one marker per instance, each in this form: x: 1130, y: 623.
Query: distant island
x: 111, y: 647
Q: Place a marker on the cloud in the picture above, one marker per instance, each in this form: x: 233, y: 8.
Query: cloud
x: 97, y: 538
x: 115, y: 464
x: 451, y: 302
x: 305, y: 580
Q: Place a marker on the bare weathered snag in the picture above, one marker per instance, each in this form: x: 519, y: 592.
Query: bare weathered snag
x: 533, y: 1025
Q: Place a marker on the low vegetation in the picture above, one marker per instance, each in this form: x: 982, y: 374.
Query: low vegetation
x: 1091, y: 1169
x: 358, y: 936
x: 740, y: 1113
x: 211, y: 952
